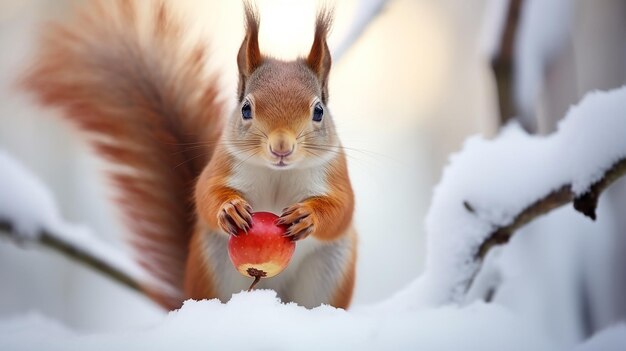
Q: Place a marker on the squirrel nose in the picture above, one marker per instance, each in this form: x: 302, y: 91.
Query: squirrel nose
x: 281, y: 152
x: 281, y: 143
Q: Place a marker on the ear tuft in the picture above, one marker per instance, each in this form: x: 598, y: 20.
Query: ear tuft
x: 249, y: 57
x: 319, y: 59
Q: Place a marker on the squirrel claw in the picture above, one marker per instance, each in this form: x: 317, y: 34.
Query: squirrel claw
x: 235, y: 215
x: 297, y: 236
x: 300, y: 220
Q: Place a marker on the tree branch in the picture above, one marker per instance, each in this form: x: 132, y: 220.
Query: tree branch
x: 75, y: 252
x: 585, y: 203
x: 503, y: 62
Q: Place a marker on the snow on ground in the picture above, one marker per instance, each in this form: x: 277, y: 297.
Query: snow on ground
x: 501, y: 177
x: 258, y: 321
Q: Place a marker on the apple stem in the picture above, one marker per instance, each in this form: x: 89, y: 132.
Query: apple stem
x: 256, y: 280
x: 257, y: 274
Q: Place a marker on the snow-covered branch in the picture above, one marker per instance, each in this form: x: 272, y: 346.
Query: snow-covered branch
x: 585, y: 203
x: 59, y: 243
x: 29, y: 215
x: 495, y: 186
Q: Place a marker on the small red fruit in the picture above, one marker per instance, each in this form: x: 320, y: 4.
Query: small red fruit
x: 263, y: 251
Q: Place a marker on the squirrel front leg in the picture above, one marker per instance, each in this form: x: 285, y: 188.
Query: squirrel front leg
x: 325, y: 217
x: 220, y: 206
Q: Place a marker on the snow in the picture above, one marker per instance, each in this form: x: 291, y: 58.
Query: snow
x: 20, y: 328
x: 28, y: 205
x: 542, y: 269
x: 593, y: 134
x: 258, y: 321
x: 501, y: 177
x: 544, y: 28
x: 24, y: 200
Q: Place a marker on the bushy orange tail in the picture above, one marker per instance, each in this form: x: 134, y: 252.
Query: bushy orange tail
x: 129, y: 83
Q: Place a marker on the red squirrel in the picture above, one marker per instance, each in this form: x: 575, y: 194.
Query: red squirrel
x: 187, y: 176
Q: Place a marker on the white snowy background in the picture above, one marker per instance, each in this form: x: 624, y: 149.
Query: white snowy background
x: 407, y: 95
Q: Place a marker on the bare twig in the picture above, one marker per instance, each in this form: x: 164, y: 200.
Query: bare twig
x: 74, y: 252
x: 585, y: 203
x: 546, y: 204
x: 503, y: 62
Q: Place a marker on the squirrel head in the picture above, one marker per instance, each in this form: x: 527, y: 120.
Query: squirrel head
x: 281, y: 119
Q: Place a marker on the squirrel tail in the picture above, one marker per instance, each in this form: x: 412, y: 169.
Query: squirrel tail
x: 133, y: 86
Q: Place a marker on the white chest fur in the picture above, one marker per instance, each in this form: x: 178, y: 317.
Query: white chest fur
x: 272, y: 190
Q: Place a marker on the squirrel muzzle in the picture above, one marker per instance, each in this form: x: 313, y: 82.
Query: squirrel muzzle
x: 281, y: 144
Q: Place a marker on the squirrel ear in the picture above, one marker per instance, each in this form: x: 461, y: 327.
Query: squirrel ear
x: 249, y: 57
x: 319, y: 59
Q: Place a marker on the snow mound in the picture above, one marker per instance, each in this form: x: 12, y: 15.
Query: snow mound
x: 259, y: 321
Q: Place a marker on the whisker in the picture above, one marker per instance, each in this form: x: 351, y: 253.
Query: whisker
x: 313, y: 153
x: 300, y: 134
x: 209, y: 142
x: 239, y: 152
x: 257, y: 135
x: 191, y: 159
x: 362, y: 151
x: 244, y: 160
x: 338, y: 152
x: 309, y: 133
x: 191, y: 148
x: 262, y: 132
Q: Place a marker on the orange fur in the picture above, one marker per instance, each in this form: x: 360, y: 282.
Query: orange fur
x: 213, y: 193
x: 199, y: 278
x: 343, y: 294
x: 332, y: 214
x: 328, y: 216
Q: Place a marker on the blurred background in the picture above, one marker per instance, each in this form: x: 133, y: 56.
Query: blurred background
x: 404, y: 96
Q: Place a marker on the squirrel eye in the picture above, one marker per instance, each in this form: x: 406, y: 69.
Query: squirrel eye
x: 246, y: 110
x: 318, y: 112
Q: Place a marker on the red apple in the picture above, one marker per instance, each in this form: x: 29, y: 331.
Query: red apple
x: 263, y: 251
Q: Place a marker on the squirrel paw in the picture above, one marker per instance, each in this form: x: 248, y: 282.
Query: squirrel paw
x: 234, y: 215
x: 300, y: 220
